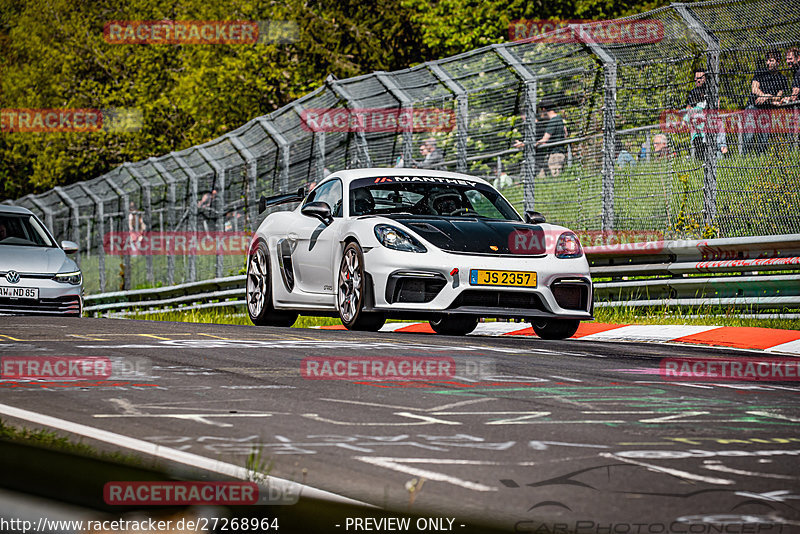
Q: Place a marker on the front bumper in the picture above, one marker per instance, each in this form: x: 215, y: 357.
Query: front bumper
x: 420, y: 284
x: 55, y: 298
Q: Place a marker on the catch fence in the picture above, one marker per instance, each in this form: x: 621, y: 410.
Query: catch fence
x: 635, y: 156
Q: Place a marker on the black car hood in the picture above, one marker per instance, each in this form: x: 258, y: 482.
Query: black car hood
x: 477, y: 236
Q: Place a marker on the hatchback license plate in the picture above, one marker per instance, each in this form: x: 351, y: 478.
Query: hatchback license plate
x: 19, y: 292
x: 480, y: 277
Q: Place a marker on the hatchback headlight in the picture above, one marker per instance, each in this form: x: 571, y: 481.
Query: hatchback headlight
x: 73, y: 278
x: 394, y: 238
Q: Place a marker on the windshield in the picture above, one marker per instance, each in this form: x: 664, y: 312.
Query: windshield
x: 428, y: 196
x: 22, y: 230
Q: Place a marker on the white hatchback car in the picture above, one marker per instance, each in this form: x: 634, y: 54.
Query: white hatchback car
x: 36, y: 276
x: 372, y: 244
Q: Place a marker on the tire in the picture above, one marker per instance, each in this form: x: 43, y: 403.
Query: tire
x: 351, y: 290
x: 555, y: 328
x: 259, y: 291
x: 454, y: 325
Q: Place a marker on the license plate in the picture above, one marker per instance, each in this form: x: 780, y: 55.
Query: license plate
x: 19, y: 292
x: 480, y: 277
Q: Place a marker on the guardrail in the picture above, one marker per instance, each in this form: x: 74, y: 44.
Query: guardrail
x: 753, y: 273
x: 214, y: 293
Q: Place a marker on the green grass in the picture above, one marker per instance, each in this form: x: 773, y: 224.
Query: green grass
x: 715, y: 316
x: 226, y: 316
x: 50, y: 439
x: 707, y: 316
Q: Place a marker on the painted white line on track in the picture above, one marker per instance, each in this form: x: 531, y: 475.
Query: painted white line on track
x: 674, y: 472
x: 186, y: 458
x: 648, y: 332
x: 792, y: 347
x: 399, y: 464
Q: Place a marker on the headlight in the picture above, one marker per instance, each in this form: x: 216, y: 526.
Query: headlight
x: 394, y: 238
x: 568, y: 246
x: 73, y: 278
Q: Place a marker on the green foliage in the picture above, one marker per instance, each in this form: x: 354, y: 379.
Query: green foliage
x: 687, y: 225
x: 450, y: 27
x: 53, y: 55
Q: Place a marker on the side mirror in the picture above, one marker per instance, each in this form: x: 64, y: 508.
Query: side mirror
x: 319, y: 210
x: 534, y: 217
x: 70, y: 247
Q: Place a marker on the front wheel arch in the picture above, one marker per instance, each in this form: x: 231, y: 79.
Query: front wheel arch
x: 259, y: 287
x: 352, y: 291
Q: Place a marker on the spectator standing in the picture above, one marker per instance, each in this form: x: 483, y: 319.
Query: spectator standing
x: 698, y: 93
x: 793, y: 62
x: 696, y: 106
x: 549, y: 160
x: 555, y: 130
x: 432, y: 155
x: 766, y: 91
x: 207, y: 205
x: 136, y: 225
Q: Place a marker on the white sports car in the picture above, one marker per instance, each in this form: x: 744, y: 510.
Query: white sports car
x: 372, y: 244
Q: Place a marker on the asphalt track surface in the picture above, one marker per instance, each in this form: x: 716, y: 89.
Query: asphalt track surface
x: 538, y: 436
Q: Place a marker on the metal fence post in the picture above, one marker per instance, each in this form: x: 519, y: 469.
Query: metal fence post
x: 529, y: 126
x: 48, y: 213
x: 148, y: 214
x: 101, y: 249
x: 219, y: 171
x: 609, y: 144
x: 73, y: 208
x: 712, y: 105
x: 362, y: 147
x: 462, y: 113
x: 406, y: 106
x: 609, y: 122
x: 319, y: 156
x: 252, y: 179
x: 171, y: 200
x: 124, y: 228
x: 191, y: 262
x: 283, y: 151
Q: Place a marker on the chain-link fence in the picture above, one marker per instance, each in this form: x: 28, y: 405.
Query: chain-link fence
x: 637, y: 148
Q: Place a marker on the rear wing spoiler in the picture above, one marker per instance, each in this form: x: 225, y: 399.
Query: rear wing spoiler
x: 276, y: 200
